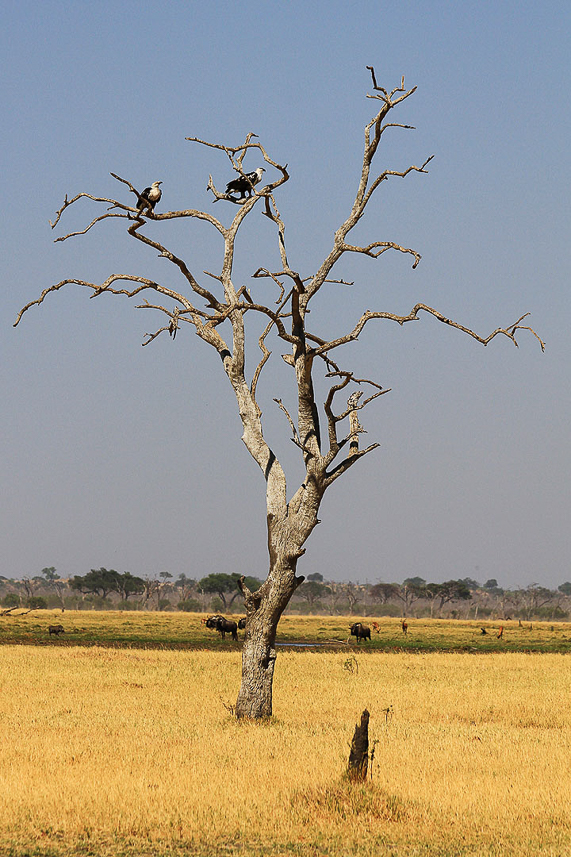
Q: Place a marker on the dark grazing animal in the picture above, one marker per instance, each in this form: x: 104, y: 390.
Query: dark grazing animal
x: 227, y: 626
x: 362, y: 632
x: 56, y: 629
x: 212, y: 620
x: 242, y: 623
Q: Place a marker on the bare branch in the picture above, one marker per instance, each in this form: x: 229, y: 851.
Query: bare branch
x: 67, y: 202
x: 105, y: 287
x: 237, y: 165
x: 87, y: 228
x: 295, y: 436
x: 348, y: 462
x: 373, y: 133
x: 508, y: 331
x: 265, y: 357
x: 377, y: 248
x: 208, y: 296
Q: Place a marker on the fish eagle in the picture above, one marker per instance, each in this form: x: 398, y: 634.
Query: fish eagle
x: 149, y: 197
x: 245, y: 184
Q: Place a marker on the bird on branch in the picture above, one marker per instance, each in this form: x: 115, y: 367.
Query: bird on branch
x: 245, y: 184
x: 149, y: 197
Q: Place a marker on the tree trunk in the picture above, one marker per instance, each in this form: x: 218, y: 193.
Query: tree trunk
x: 264, y: 609
x: 258, y: 661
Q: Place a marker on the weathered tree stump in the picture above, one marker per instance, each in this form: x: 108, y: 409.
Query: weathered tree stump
x: 359, y: 755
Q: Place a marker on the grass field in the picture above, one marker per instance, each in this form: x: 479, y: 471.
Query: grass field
x: 133, y: 752
x: 185, y: 631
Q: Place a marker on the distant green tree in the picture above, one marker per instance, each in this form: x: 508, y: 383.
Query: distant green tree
x: 565, y: 588
x: 12, y: 599
x: 96, y: 582
x: 190, y: 605
x: 451, y: 590
x: 384, y: 592
x: 470, y: 583
x: 312, y: 591
x: 221, y: 584
x: 36, y: 602
x: 414, y: 581
x: 408, y: 593
x: 492, y: 583
x: 50, y: 574
x: 127, y: 584
x: 316, y: 577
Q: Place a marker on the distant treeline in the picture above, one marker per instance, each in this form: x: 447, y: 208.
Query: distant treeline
x: 107, y: 589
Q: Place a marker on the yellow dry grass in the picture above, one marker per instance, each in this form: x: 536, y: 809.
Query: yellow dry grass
x: 133, y: 752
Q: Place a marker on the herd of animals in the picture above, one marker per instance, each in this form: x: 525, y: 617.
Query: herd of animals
x: 229, y: 626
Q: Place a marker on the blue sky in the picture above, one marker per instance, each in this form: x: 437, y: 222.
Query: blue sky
x: 130, y: 458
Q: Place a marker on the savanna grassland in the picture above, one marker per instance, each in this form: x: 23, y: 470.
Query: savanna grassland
x: 133, y: 751
x: 133, y: 629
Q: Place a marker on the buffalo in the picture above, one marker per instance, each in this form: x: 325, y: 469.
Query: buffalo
x: 56, y: 629
x: 242, y: 623
x: 362, y: 632
x: 227, y: 626
x: 212, y: 620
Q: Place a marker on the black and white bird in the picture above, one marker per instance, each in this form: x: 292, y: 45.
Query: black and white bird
x: 245, y: 184
x: 149, y: 197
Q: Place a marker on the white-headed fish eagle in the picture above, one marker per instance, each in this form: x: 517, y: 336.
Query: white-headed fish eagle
x: 149, y: 197
x: 245, y: 184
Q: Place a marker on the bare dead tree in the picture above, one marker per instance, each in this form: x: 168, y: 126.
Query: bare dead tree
x: 221, y: 314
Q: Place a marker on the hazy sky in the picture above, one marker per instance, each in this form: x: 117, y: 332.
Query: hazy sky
x: 130, y: 458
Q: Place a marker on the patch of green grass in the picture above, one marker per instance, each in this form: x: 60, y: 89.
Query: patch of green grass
x: 132, y: 629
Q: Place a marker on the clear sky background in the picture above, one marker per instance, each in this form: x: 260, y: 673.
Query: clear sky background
x: 130, y: 458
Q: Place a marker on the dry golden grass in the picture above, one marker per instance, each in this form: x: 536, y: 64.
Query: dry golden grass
x: 112, y: 752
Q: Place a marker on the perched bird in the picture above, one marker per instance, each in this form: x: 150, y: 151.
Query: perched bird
x: 245, y: 184
x: 149, y: 197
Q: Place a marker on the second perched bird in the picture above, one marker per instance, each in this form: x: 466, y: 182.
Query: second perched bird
x: 149, y: 197
x: 245, y: 184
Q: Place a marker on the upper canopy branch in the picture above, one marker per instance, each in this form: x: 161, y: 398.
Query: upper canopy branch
x: 67, y: 202
x: 353, y: 405
x: 389, y: 96
x: 399, y: 173
x: 106, y: 286
x: 237, y: 165
x: 131, y: 212
x: 366, y: 188
x: 207, y: 295
x: 377, y: 248
x: 509, y: 331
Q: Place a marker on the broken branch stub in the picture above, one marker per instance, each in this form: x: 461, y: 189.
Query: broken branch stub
x: 359, y: 755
